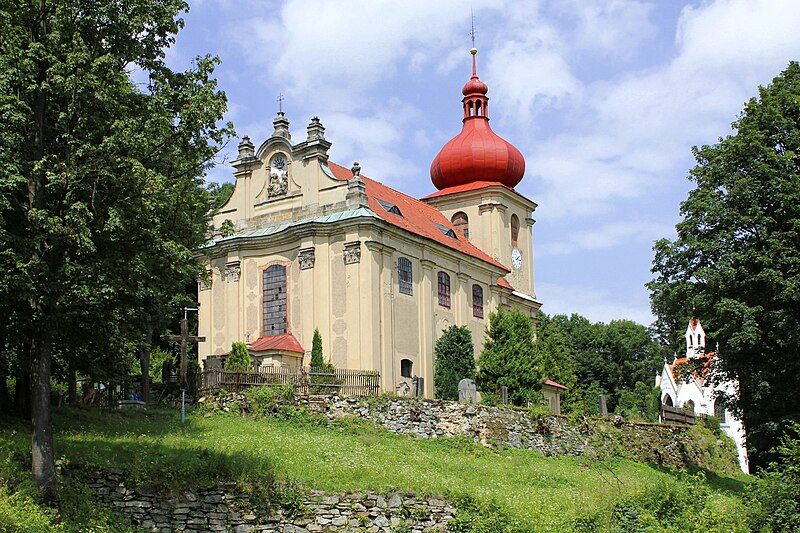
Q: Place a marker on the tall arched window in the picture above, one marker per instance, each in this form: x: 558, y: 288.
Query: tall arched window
x: 689, y: 405
x: 404, y: 275
x: 477, y: 301
x: 444, y: 289
x: 274, y: 297
x: 668, y: 400
x: 461, y: 222
x: 514, y: 230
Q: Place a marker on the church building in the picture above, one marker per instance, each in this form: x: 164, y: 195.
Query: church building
x: 305, y: 243
x: 684, y: 383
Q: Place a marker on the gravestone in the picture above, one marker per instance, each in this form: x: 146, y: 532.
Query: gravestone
x: 504, y: 395
x: 403, y: 390
x: 419, y: 386
x: 467, y: 391
x: 603, y: 408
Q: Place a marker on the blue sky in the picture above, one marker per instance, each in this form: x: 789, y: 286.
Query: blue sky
x: 604, y: 99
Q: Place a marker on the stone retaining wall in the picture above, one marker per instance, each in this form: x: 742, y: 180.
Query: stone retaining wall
x: 224, y: 508
x: 489, y: 426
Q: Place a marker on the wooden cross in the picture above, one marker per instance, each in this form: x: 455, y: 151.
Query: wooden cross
x: 184, y: 338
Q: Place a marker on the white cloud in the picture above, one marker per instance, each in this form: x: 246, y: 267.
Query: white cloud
x: 595, y: 304
x: 632, y: 133
x: 607, y: 235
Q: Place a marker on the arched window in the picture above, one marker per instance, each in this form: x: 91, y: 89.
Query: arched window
x: 274, y: 297
x: 406, y: 367
x: 699, y: 342
x: 444, y: 289
x: 478, y: 108
x: 689, y: 405
x: 477, y: 301
x: 461, y: 222
x: 471, y: 109
x: 719, y: 411
x: 667, y: 400
x: 514, y: 230
x: 404, y: 275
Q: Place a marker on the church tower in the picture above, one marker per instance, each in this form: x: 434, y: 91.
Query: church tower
x: 695, y: 338
x: 475, y: 174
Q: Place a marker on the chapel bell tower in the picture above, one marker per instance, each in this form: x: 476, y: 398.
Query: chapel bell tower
x: 695, y: 338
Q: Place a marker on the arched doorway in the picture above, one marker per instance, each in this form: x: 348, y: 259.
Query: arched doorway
x: 667, y: 400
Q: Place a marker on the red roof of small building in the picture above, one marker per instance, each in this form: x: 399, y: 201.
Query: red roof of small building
x: 555, y: 385
x: 285, y: 342
x: 417, y: 217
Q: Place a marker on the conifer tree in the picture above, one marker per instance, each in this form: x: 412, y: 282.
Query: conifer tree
x: 508, y: 357
x: 317, y: 360
x: 455, y: 360
x: 239, y: 358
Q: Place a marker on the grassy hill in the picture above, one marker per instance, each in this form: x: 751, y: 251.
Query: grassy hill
x: 522, y: 490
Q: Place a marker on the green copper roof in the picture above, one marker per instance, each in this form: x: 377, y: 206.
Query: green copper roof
x: 272, y: 229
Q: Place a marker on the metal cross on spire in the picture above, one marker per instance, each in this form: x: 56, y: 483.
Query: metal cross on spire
x: 472, y: 27
x: 280, y: 102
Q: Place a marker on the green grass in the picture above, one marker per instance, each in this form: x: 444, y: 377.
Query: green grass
x: 542, y: 494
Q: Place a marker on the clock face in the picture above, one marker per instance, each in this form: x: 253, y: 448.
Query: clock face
x: 516, y: 258
x: 279, y: 162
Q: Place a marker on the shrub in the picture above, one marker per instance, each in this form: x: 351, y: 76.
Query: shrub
x: 239, y: 358
x: 455, y: 360
x: 641, y: 403
x: 508, y: 357
x: 473, y: 516
x: 268, y: 400
x: 774, y: 496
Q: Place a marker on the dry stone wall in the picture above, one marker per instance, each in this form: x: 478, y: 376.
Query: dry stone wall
x: 490, y: 426
x: 224, y: 508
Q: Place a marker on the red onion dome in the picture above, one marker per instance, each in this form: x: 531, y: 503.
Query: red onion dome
x: 477, y: 153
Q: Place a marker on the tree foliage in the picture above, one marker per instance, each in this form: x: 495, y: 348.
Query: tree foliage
x: 508, y: 357
x: 317, y: 361
x: 454, y: 357
x: 735, y: 260
x: 102, y: 203
x: 239, y: 358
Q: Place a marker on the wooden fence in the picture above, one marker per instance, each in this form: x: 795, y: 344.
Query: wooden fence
x: 676, y: 415
x: 304, y: 380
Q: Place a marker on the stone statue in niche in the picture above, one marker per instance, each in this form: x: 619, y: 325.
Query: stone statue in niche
x: 278, y: 176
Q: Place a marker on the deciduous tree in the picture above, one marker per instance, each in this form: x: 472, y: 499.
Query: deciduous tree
x: 736, y: 260
x: 102, y: 203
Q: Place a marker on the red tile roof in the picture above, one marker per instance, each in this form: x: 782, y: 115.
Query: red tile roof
x: 417, y: 217
x: 680, y: 361
x: 474, y: 186
x: 503, y: 282
x: 285, y: 342
x: 553, y: 384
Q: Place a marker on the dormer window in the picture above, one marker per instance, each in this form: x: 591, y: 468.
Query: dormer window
x: 390, y: 207
x: 447, y: 231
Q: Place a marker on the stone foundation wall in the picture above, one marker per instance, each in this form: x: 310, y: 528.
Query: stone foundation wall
x: 224, y: 508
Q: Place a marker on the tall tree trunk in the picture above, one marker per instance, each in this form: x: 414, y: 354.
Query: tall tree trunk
x: 42, y: 456
x: 144, y: 360
x: 72, y: 387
